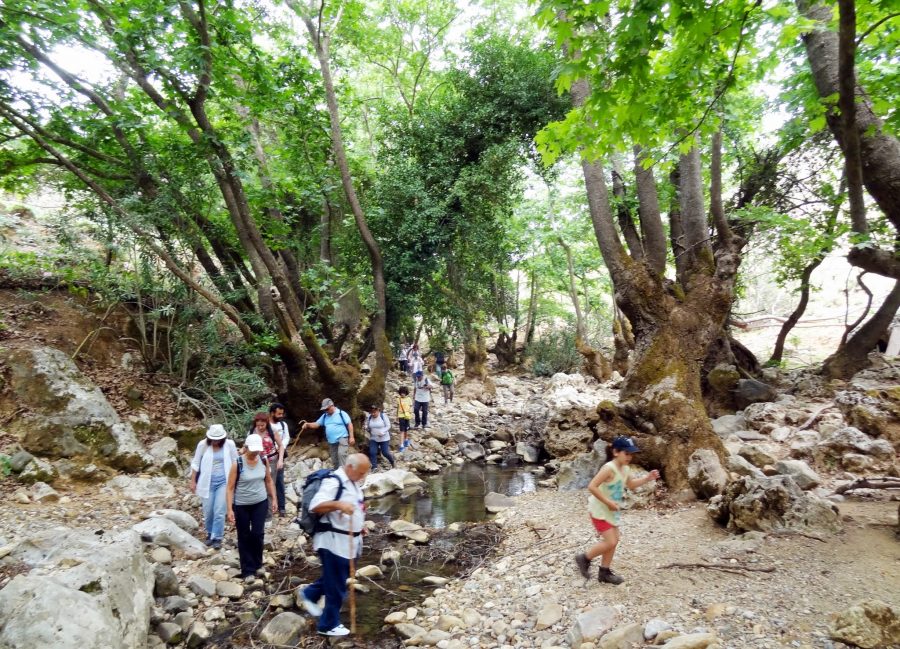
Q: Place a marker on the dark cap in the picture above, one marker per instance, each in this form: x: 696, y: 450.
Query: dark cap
x: 625, y: 444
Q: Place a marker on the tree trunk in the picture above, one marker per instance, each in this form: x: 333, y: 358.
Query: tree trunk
x: 853, y: 356
x: 623, y: 340
x: 505, y: 349
x: 475, y: 355
x: 796, y: 314
x: 532, y: 310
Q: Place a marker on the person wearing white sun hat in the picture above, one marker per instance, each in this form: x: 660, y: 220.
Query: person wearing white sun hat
x: 209, y: 476
x: 251, y: 492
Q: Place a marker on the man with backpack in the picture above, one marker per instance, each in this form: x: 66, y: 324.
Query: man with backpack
x: 337, y: 520
x: 279, y: 427
x: 447, y: 384
x: 338, y: 431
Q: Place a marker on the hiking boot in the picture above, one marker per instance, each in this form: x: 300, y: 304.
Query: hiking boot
x: 584, y: 565
x: 605, y: 575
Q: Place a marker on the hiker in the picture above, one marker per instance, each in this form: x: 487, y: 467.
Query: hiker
x: 416, y: 362
x: 342, y: 506
x: 378, y: 426
x: 209, y: 478
x: 338, y: 431
x: 280, y: 427
x: 404, y: 363
x: 439, y: 362
x: 273, y: 446
x: 447, y: 384
x: 607, y: 492
x: 251, y: 496
x: 421, y: 399
x: 404, y: 416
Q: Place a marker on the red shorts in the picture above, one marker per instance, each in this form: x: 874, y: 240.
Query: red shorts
x: 601, y: 525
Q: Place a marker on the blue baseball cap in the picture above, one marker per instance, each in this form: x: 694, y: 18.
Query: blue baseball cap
x: 625, y: 444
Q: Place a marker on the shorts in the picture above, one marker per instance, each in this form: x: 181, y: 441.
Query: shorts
x: 404, y: 425
x: 600, y: 525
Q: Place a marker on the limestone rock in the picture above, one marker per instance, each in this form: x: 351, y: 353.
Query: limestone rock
x: 623, y: 637
x: 654, y: 627
x: 397, y: 617
x: 166, y: 583
x: 41, y: 492
x: 182, y: 519
x: 434, y: 580
x: 494, y: 502
x: 575, y: 474
x: 750, y: 391
x: 170, y: 632
x: 433, y: 637
x: 800, y: 471
x: 385, y: 482
x: 202, y: 586
x: 527, y: 452
x: 197, y: 635
x: 472, y: 451
x: 409, y: 631
x: 740, y: 466
x: 850, y: 439
x: 19, y: 460
x: 728, y: 425
x: 373, y: 572
x: 765, y: 417
x: 162, y: 531
x: 705, y: 473
x: 38, y: 470
x: 450, y: 622
x: 175, y: 604
x: 756, y: 455
x: 164, y: 455
x: 550, y: 614
x: 283, y: 629
x: 692, y: 641
x: 593, y: 624
x: 868, y: 624
x: 143, y: 489
x: 229, y: 589
x: 161, y: 555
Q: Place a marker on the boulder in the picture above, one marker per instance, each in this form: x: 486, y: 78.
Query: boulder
x: 875, y: 412
x: 66, y: 414
x: 472, y: 451
x: 756, y: 455
x: 19, y: 460
x: 142, y: 489
x: 162, y: 531
x: 765, y: 417
x: 283, y: 630
x: 385, y: 482
x: 592, y: 624
x: 706, y: 476
x: 740, y: 466
x: 182, y: 519
x: 728, y: 425
x: 750, y: 391
x: 773, y: 504
x: 575, y: 474
x: 527, y: 452
x: 41, y: 492
x: 868, y: 624
x: 38, y: 470
x: 569, y: 432
x: 550, y: 614
x: 164, y: 454
x: 800, y: 471
x: 623, y: 637
x: 853, y: 440
x: 93, y: 591
x: 165, y: 581
x: 202, y: 586
x: 495, y: 502
x: 723, y: 379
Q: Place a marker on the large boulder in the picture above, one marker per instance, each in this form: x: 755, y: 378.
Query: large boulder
x: 728, y: 425
x: 66, y: 414
x: 750, y: 391
x: 853, y: 440
x: 875, y: 412
x: 164, y: 531
x: 870, y: 624
x: 773, y: 504
x: 142, y: 489
x: 705, y: 473
x: 38, y: 470
x: 575, y: 474
x: 165, y: 457
x: 379, y: 484
x: 766, y: 416
x: 92, y: 591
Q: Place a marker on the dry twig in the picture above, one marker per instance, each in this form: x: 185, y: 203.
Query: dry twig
x: 736, y: 569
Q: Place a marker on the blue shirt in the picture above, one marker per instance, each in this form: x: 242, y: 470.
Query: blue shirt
x: 335, y: 425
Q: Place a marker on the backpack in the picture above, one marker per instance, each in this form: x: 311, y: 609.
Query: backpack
x: 321, y: 422
x: 447, y: 378
x: 309, y: 521
x: 369, y: 418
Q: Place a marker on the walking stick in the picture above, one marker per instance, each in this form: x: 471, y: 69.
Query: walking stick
x: 294, y: 443
x: 352, y: 580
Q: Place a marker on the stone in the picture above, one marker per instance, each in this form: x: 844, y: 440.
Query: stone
x: 449, y: 622
x: 654, y: 627
x: 800, y: 471
x: 229, y: 589
x: 868, y: 624
x: 409, y: 631
x: 765, y: 416
x: 390, y: 556
x: 495, y: 502
x: 161, y: 555
x: 692, y: 641
x: 472, y: 451
x: 385, y: 482
x: 773, y: 504
x: 856, y: 462
x: 182, y: 519
x: 66, y: 415
x: 527, y: 452
x: 283, y: 629
x: 38, y: 470
x: 756, y: 455
x: 202, y: 586
x: 433, y: 636
x: 21, y: 496
x: 41, y: 492
x: 184, y: 620
x: 170, y: 632
x: 19, y: 460
x: 164, y: 456
x: 471, y: 617
x: 282, y: 601
x: 592, y: 624
x: 623, y: 637
x: 373, y: 572
x: 576, y: 474
x: 728, y: 425
x: 740, y: 466
x: 706, y: 476
x: 198, y: 634
x: 175, y: 604
x: 750, y: 391
x: 166, y: 583
x: 723, y: 379
x: 397, y: 617
x: 412, y: 613
x: 550, y: 614
x: 850, y: 439
x: 408, y: 530
x: 162, y: 531
x: 434, y: 580
x: 92, y: 591
x: 143, y: 489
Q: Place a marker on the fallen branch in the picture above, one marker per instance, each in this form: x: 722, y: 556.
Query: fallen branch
x: 812, y: 418
x: 723, y: 567
x: 869, y: 483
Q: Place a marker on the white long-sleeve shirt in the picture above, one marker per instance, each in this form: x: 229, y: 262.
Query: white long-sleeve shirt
x: 203, y: 463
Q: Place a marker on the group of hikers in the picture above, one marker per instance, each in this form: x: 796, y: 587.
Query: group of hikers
x: 246, y: 487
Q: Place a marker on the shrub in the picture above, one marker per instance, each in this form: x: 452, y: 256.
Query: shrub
x: 554, y: 352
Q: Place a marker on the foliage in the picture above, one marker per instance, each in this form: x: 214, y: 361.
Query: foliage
x: 5, y: 466
x: 554, y: 351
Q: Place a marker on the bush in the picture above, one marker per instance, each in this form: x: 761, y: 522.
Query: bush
x: 554, y: 352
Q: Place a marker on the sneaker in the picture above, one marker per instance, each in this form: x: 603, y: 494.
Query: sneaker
x: 584, y: 565
x: 282, y: 513
x: 208, y: 542
x: 216, y: 544
x: 339, y: 630
x: 605, y: 575
x: 311, y: 607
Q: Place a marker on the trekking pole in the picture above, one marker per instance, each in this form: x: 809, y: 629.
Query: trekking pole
x: 297, y: 438
x: 352, y: 580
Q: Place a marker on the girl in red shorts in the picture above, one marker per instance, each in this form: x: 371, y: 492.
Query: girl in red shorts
x: 607, y: 491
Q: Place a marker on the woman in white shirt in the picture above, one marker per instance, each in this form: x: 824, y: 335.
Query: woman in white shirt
x: 209, y: 476
x: 379, y: 428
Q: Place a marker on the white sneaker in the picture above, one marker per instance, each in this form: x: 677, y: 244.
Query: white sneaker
x: 311, y: 607
x: 339, y: 630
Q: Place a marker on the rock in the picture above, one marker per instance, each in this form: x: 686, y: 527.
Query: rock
x: 728, y: 425
x: 856, y: 462
x: 705, y: 473
x: 175, y: 604
x: 850, y: 439
x: 749, y: 391
x: 19, y: 461
x: 93, y: 591
x: 868, y: 624
x: 184, y: 620
x: 197, y: 635
x: 21, y: 496
x: 550, y: 614
x: 765, y: 417
x: 527, y: 452
x: 654, y: 627
x: 799, y: 470
x: 723, y: 379
x: 433, y: 637
x: 692, y: 641
x: 575, y: 474
x: 164, y: 455
x: 66, y: 414
x: 875, y: 412
x: 170, y: 632
x: 592, y: 624
x: 408, y: 530
x: 472, y: 451
x: 38, y: 470
x: 373, y: 572
x: 449, y: 622
x: 229, y: 589
x: 41, y: 492
x: 412, y: 613
x: 283, y: 629
x: 385, y: 482
x: 756, y: 455
x: 623, y: 637
x: 166, y: 583
x: 390, y: 556
x: 740, y: 466
x: 434, y: 580
x: 202, y: 586
x: 161, y: 555
x: 471, y: 617
x: 494, y: 502
x: 143, y: 489
x: 162, y: 531
x: 749, y: 436
x: 182, y: 519
x: 409, y: 631
x: 773, y: 504
x: 397, y: 617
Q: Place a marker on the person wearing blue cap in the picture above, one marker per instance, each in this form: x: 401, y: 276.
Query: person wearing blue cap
x: 605, y: 502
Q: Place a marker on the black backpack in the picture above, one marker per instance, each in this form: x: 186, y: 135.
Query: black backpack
x: 309, y: 521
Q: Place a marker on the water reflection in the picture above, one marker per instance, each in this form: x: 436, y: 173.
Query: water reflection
x: 454, y: 495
